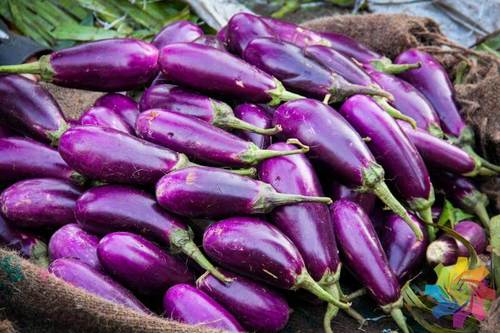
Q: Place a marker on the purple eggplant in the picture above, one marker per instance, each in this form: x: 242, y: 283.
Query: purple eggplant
x: 214, y: 71
x: 464, y: 194
x: 189, y: 305
x: 308, y: 225
x: 112, y: 208
x: 80, y: 275
x: 257, y: 307
x: 22, y: 158
x: 30, y: 109
x: 5, y: 132
x: 404, y: 252
x: 212, y: 41
x: 104, y: 117
x: 190, y: 103
x: 140, y: 264
x: 302, y: 37
x: 221, y: 35
x: 394, y: 151
x: 28, y: 245
x: 178, y: 32
x: 125, y: 107
x: 256, y: 115
x: 365, y: 257
x: 200, y: 140
x: 112, y: 156
x: 242, y: 28
x: 336, y: 143
x: 442, y: 155
x: 446, y: 250
x: 257, y: 249
x: 40, y: 203
x: 104, y: 65
x: 212, y: 192
x: 298, y: 73
x: 365, y: 200
x: 71, y: 241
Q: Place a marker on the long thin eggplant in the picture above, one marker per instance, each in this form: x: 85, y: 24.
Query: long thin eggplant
x: 214, y: 71
x: 28, y: 245
x: 140, y: 264
x: 257, y: 307
x: 442, y: 155
x: 300, y: 74
x: 394, y: 151
x: 104, y: 65
x: 187, y: 102
x: 30, y: 109
x: 40, y: 203
x: 80, y: 275
x: 189, y: 305
x: 182, y: 31
x: 200, y: 140
x: 71, y: 241
x: 105, y: 117
x: 257, y: 249
x: 212, y: 192
x: 112, y: 208
x: 463, y: 193
x: 405, y: 253
x: 112, y: 156
x: 336, y: 143
x: 22, y: 158
x: 365, y: 257
x: 124, y: 106
x: 303, y: 37
x: 242, y: 28
x: 257, y: 116
x: 365, y: 200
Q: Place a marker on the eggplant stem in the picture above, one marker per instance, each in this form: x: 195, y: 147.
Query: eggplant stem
x: 393, y: 112
x: 385, y: 65
x: 482, y: 213
x: 54, y: 136
x: 426, y: 215
x: 249, y: 172
x: 28, y: 68
x: 331, y: 310
x: 279, y: 199
x: 280, y: 94
x: 435, y: 130
x: 488, y: 165
x: 254, y: 154
x: 305, y: 281
x: 358, y: 293
x: 485, y: 172
x: 233, y: 122
x: 394, y: 309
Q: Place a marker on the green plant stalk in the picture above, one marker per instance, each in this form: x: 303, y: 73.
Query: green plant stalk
x: 69, y: 7
x: 136, y: 14
x: 290, y: 6
x: 48, y: 11
x: 84, y: 33
x: 29, y: 24
x: 108, y: 13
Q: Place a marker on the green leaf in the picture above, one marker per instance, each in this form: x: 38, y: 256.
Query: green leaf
x: 136, y: 14
x: 109, y: 13
x: 450, y: 215
x: 70, y: 7
x: 84, y: 33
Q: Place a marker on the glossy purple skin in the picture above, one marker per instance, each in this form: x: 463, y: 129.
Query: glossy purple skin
x: 408, y: 100
x: 214, y: 71
x: 459, y: 189
x: 113, y: 156
x: 288, y: 64
x: 308, y: 225
x: 105, y: 117
x: 212, y: 41
x: 365, y: 200
x: 140, y: 264
x: 17, y: 240
x: 29, y: 108
x: 122, y: 105
x: 433, y: 82
x: 255, y: 115
x: 194, y: 137
x: 39, y: 203
x: 349, y: 47
x: 444, y: 251
x: 329, y: 136
x: 404, y: 252
x: 338, y: 63
x: 71, y: 241
x: 208, y: 192
x: 257, y: 307
x: 182, y: 31
x: 179, y: 100
x: 105, y: 65
x: 404, y: 167
x: 363, y: 253
x: 111, y: 208
x: 189, y: 305
x: 22, y: 158
x: 222, y: 34
x: 5, y: 132
x: 438, y: 153
x: 254, y: 248
x: 80, y: 275
x: 242, y: 28
x: 474, y: 233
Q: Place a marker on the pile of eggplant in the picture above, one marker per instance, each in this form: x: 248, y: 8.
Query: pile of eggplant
x: 259, y: 160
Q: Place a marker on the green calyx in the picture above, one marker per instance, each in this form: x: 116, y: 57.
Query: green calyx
x: 476, y: 202
x: 423, y: 207
x: 394, y: 309
x: 78, y: 178
x: 385, y: 65
x: 330, y: 278
x: 182, y: 163
x: 280, y: 94
x: 54, y: 136
x: 435, y: 130
x: 41, y: 67
x: 305, y: 281
x: 341, y: 89
x: 254, y: 154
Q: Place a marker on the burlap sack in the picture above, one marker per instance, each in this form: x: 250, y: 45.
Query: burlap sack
x: 36, y: 302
